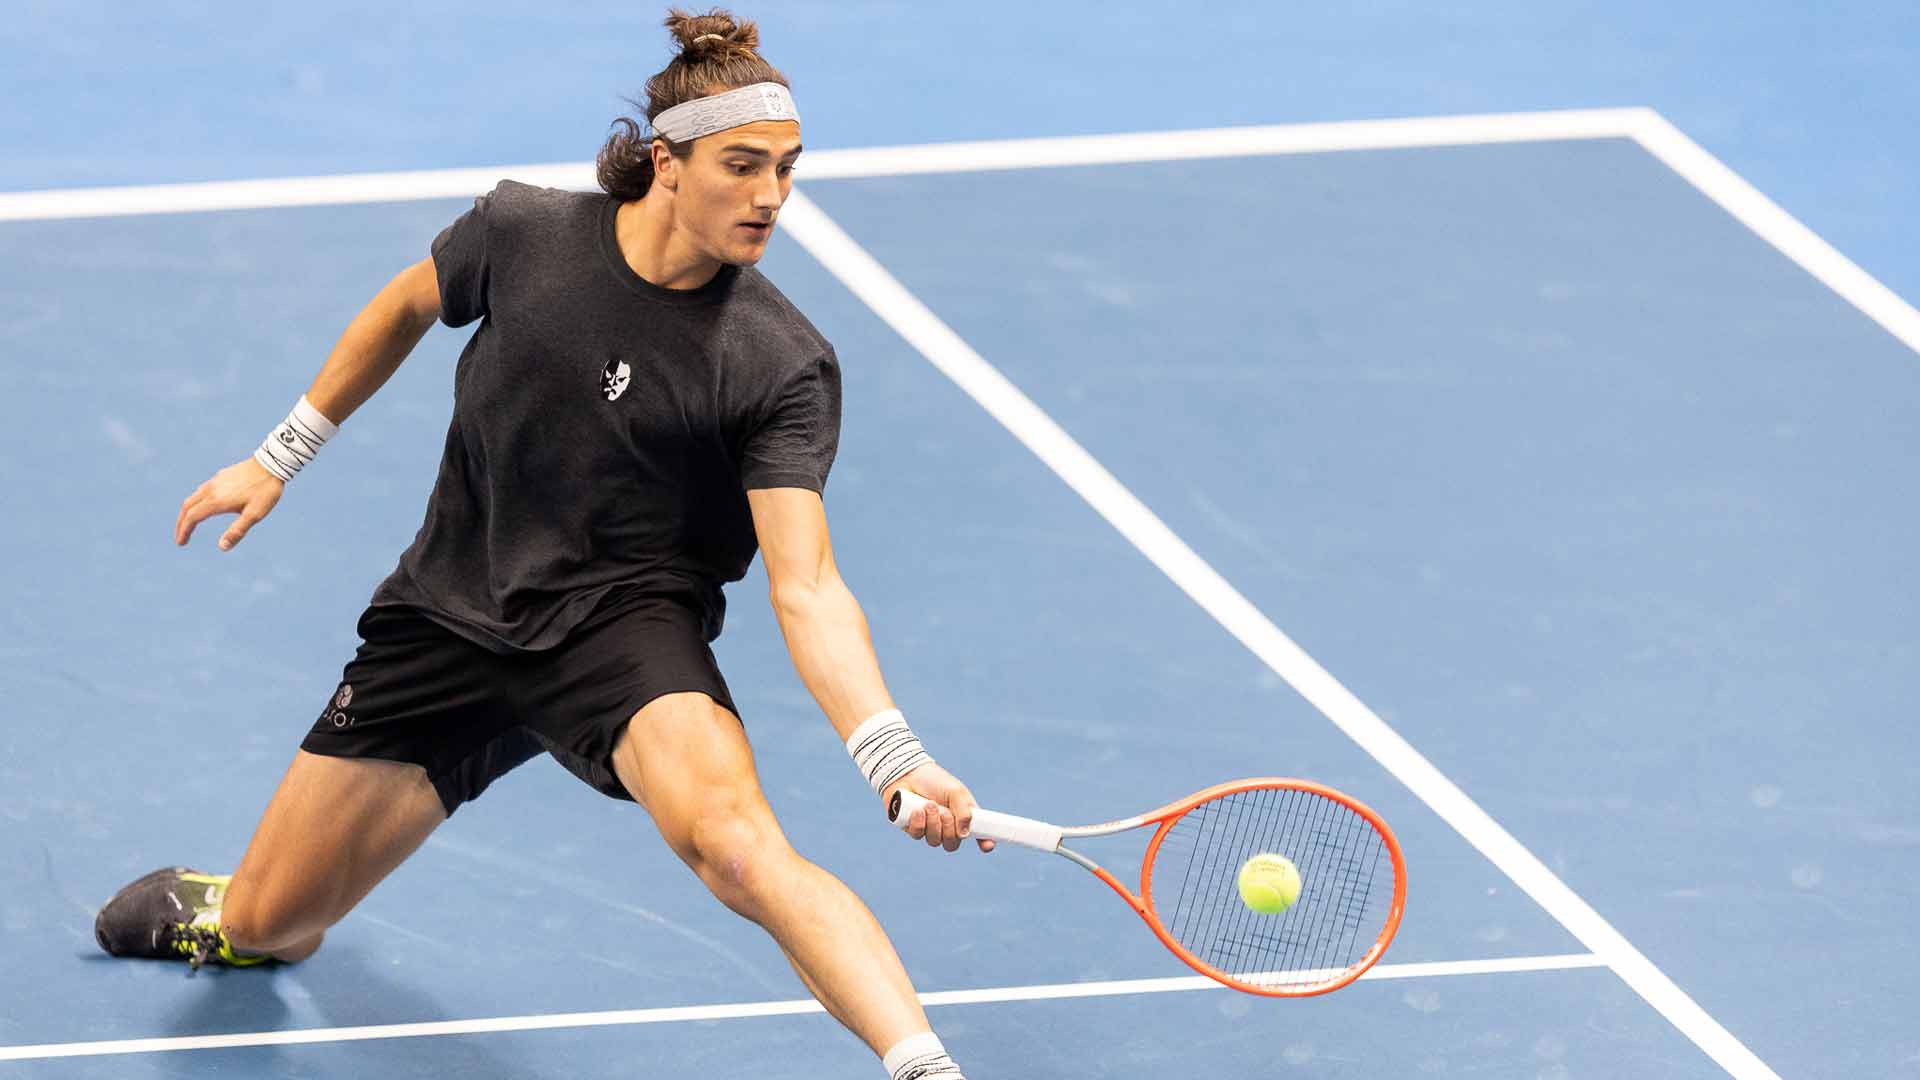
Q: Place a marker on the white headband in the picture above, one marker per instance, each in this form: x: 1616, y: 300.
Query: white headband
x: 718, y: 112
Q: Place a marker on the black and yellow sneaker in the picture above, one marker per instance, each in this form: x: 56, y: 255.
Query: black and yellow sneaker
x: 170, y: 914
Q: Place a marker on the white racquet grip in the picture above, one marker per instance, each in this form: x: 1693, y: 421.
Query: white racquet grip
x: 987, y: 824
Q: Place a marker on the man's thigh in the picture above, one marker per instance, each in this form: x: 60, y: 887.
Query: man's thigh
x: 684, y: 757
x: 334, y: 828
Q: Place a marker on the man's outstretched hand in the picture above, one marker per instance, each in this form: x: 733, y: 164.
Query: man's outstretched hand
x: 245, y: 488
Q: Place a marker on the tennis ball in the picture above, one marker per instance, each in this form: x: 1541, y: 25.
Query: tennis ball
x: 1269, y: 884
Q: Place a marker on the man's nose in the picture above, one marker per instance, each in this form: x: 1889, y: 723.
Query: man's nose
x: 766, y: 194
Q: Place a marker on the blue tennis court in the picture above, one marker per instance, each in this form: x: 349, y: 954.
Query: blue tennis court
x: 1575, y: 481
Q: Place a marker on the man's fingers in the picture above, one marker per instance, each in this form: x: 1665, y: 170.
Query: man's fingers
x: 238, y: 530
x: 191, y: 516
x: 183, y: 522
x: 949, y: 831
x: 985, y: 845
x: 963, y: 814
x: 939, y: 825
x: 201, y: 510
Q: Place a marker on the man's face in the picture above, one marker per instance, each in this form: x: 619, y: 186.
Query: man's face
x: 732, y: 187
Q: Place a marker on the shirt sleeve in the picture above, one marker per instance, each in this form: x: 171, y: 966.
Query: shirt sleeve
x: 460, y: 264
x: 795, y: 444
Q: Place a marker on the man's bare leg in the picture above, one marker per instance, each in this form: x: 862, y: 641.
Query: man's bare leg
x: 686, y: 760
x: 335, y: 828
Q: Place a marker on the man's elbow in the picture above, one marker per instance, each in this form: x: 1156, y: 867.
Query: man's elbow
x: 415, y: 291
x: 798, y: 598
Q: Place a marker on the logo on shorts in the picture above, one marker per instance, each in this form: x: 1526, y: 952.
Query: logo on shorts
x: 614, y: 378
x: 337, y: 713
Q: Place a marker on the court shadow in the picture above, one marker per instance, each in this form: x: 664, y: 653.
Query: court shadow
x: 338, y: 988
x: 351, y: 988
x: 218, y: 1000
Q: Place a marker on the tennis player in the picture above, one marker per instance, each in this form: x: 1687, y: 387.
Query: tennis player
x: 637, y: 412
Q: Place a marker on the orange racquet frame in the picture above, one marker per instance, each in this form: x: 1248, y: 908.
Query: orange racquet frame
x: 1028, y: 832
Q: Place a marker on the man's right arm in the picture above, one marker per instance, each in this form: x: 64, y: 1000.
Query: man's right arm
x: 366, y: 356
x: 376, y: 341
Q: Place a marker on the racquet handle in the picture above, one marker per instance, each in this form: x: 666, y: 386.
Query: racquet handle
x: 987, y: 824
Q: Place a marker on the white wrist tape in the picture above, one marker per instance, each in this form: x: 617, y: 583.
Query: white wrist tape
x: 288, y: 448
x: 886, y: 749
x: 920, y: 1057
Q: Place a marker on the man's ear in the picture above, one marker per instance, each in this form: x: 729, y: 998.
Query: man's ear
x: 665, y: 166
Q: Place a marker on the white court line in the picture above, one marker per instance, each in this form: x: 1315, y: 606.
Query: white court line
x: 743, y: 1010
x: 60, y: 204
x: 1145, y: 146
x: 1648, y: 128
x: 912, y: 320
x: 282, y: 193
x: 1777, y: 227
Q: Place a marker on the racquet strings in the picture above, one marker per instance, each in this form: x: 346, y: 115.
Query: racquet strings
x: 1346, y: 886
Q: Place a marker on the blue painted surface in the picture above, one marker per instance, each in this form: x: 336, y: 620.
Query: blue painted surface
x: 1059, y: 668
x: 1592, y: 495
x: 1582, y: 487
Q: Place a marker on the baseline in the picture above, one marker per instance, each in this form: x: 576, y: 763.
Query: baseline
x: 186, y: 198
x: 1643, y: 125
x: 745, y: 1010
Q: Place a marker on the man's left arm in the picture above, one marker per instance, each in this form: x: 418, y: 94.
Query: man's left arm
x: 832, y: 649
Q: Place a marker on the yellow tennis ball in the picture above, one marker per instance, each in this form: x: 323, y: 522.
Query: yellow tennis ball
x: 1269, y: 884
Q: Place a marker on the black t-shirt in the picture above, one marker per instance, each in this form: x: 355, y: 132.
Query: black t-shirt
x: 605, y: 430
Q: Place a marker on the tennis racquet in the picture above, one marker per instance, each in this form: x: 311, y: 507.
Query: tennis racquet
x: 1353, y: 881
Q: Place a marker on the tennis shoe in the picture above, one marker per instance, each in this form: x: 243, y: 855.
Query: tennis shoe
x: 170, y: 914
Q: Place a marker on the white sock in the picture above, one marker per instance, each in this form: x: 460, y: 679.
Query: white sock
x: 921, y: 1057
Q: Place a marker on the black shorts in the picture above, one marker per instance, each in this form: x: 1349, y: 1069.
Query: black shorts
x: 418, y: 692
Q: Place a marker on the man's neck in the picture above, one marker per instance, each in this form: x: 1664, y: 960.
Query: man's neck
x: 655, y: 249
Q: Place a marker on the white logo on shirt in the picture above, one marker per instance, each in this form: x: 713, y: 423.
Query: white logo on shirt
x: 614, y: 378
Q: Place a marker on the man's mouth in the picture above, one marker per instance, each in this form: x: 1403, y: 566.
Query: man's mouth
x: 757, y: 228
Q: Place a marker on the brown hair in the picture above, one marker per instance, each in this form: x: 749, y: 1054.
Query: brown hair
x: 717, y: 53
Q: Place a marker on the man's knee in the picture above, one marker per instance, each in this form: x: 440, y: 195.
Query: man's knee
x: 740, y: 858
x: 265, y: 916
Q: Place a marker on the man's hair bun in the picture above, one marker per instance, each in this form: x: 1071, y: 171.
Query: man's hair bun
x: 711, y: 36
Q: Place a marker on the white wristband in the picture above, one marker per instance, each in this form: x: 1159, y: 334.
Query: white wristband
x: 886, y: 749
x: 288, y: 448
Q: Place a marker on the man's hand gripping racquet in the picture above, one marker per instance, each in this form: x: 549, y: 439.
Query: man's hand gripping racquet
x: 1352, y: 881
